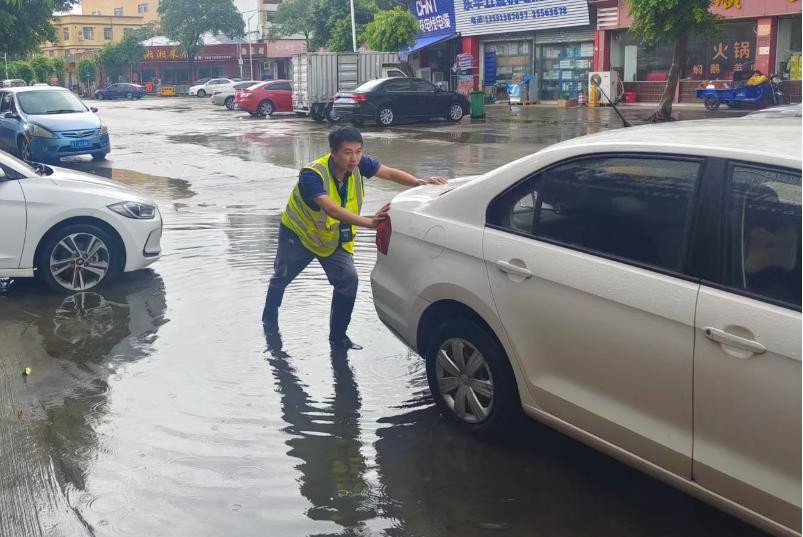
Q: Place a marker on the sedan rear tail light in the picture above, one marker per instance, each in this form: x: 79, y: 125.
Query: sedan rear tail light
x: 359, y: 97
x: 383, y: 232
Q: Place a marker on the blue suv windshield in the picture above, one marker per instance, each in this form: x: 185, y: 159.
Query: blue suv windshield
x: 49, y: 102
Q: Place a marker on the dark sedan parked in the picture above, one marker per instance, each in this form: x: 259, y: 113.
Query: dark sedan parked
x: 120, y: 91
x: 388, y: 100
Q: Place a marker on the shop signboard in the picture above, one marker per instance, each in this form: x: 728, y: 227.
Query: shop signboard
x: 434, y: 16
x: 479, y: 17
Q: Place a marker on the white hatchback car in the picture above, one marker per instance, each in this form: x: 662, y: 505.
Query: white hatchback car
x: 73, y: 230
x: 638, y: 289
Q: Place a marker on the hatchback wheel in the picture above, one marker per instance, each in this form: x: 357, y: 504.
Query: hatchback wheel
x: 455, y: 112
x: 201, y: 93
x: 384, y: 116
x: 265, y: 108
x: 77, y: 257
x: 471, y: 379
x: 229, y: 102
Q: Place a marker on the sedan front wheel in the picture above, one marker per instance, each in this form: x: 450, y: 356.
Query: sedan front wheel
x: 455, y: 112
x: 77, y: 257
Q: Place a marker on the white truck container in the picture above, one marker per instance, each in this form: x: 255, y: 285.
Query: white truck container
x: 318, y: 76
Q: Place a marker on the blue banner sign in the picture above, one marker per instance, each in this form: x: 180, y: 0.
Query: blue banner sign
x: 434, y: 16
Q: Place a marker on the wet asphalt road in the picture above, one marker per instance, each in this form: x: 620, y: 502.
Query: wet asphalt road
x: 157, y: 407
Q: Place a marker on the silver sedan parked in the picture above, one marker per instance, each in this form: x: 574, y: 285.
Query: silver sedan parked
x: 224, y: 96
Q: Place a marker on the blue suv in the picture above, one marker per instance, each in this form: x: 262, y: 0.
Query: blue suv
x: 47, y: 123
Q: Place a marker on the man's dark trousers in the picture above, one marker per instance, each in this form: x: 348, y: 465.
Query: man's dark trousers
x: 291, y: 258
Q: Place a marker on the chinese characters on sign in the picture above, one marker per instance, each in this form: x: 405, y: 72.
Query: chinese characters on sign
x: 728, y: 4
x: 434, y: 16
x: 478, y: 17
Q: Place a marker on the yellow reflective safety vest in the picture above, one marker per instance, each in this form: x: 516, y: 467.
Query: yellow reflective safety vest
x: 317, y: 231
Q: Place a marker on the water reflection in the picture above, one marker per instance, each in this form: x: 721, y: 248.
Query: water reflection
x: 326, y: 438
x: 73, y: 345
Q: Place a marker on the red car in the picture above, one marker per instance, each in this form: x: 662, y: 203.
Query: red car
x: 266, y: 98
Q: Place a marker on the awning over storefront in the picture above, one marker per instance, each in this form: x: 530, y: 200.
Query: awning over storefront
x: 427, y: 40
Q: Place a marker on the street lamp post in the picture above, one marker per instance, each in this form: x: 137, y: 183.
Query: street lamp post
x: 353, y: 28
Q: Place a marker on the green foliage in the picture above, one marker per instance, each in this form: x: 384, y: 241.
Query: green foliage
x: 42, y: 68
x: 390, y: 31
x: 186, y: 20
x: 58, y: 68
x: 20, y: 69
x: 117, y: 58
x: 86, y: 66
x: 291, y: 18
x: 332, y: 29
x: 670, y: 21
x: 24, y: 25
x: 323, y: 23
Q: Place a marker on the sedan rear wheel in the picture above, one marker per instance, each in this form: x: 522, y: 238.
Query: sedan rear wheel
x: 265, y: 108
x: 384, y: 116
x: 100, y: 96
x: 229, y: 102
x: 129, y: 96
x: 471, y: 379
x: 77, y: 258
x: 455, y: 112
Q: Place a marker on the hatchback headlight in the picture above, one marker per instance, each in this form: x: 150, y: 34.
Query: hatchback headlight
x: 103, y: 128
x: 41, y: 132
x: 133, y: 209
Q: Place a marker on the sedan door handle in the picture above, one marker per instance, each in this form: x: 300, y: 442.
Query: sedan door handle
x: 731, y: 340
x: 510, y: 268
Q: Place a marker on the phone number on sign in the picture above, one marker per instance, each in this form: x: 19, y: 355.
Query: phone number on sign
x: 520, y: 15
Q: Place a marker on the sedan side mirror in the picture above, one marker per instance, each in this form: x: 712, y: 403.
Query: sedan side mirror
x: 93, y: 109
x: 10, y: 115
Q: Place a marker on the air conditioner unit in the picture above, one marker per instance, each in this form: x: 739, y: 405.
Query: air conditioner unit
x: 608, y: 82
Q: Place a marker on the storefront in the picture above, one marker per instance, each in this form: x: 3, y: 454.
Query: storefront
x: 563, y: 60
x: 278, y: 65
x: 763, y: 36
x: 433, y: 55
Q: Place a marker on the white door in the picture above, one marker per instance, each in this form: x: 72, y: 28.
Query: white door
x: 12, y: 223
x: 631, y: 63
x: 747, y: 386
x: 586, y: 266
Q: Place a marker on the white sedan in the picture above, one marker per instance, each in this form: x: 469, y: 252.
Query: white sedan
x: 72, y: 230
x: 208, y: 87
x: 638, y: 289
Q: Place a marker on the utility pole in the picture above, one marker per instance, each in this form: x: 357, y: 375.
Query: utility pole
x: 353, y: 28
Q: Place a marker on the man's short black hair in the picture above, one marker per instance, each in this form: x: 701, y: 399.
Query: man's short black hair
x: 341, y: 135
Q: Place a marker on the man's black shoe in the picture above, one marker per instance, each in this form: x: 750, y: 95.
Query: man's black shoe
x: 345, y: 343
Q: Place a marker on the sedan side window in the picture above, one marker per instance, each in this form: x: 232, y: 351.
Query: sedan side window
x: 281, y: 86
x: 764, y: 233
x: 630, y: 208
x: 5, y: 102
x: 422, y: 86
x: 397, y: 85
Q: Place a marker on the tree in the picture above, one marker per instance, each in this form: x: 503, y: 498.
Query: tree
x: 121, y: 57
x: 390, y: 31
x: 26, y: 25
x: 86, y: 71
x: 293, y: 17
x: 333, y: 22
x: 187, y: 20
x: 671, y: 22
x: 58, y: 68
x: 42, y: 68
x: 22, y: 70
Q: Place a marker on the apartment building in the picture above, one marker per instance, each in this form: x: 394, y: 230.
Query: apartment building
x: 147, y: 9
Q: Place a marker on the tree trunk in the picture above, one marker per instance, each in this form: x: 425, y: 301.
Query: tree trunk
x: 664, y: 112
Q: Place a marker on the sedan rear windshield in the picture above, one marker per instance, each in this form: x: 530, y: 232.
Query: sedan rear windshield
x: 371, y: 85
x: 49, y: 102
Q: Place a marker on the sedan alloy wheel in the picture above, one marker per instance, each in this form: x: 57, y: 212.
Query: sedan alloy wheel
x: 455, y: 112
x: 79, y: 261
x: 385, y: 116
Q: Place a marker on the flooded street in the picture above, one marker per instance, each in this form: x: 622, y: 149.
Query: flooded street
x: 156, y: 406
